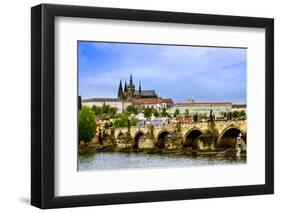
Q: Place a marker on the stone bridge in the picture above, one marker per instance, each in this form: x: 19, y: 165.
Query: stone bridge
x: 215, y: 135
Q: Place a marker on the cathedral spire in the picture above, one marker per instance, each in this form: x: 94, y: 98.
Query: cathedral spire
x: 140, y: 88
x: 120, y: 91
x: 125, y: 87
x: 131, y: 89
x: 131, y: 80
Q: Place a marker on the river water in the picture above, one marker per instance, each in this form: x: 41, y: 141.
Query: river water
x: 117, y: 161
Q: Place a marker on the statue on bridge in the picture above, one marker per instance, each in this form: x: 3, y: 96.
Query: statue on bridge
x: 238, y: 144
x: 129, y: 125
x: 211, y: 116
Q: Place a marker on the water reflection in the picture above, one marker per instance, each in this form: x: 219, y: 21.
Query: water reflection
x: 116, y: 160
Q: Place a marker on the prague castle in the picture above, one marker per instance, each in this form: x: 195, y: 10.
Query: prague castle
x: 128, y: 95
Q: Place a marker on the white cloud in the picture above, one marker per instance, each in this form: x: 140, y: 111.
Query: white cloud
x: 195, y: 69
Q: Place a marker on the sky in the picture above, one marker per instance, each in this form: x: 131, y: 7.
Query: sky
x: 207, y: 73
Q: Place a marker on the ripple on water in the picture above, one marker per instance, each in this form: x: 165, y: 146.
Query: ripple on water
x: 117, y: 161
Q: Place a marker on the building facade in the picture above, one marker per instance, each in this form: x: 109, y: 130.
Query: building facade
x: 112, y: 102
x: 130, y: 96
x: 203, y: 109
x: 154, y: 103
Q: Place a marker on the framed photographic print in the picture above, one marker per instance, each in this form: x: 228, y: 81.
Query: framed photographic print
x: 139, y: 106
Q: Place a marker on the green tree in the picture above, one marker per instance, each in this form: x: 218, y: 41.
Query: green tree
x: 87, y: 124
x: 235, y: 114
x: 97, y: 110
x: 186, y: 114
x: 105, y: 108
x: 155, y: 113
x: 176, y: 113
x: 229, y: 116
x: 132, y: 109
x: 242, y: 113
x: 164, y: 113
x: 105, y: 112
x: 112, y: 111
x: 121, y: 121
x: 147, y: 112
x: 133, y: 121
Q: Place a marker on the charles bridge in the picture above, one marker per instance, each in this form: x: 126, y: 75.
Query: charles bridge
x: 208, y: 136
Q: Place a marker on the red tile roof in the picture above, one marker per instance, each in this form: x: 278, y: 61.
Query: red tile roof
x: 153, y: 101
x: 239, y: 106
x: 147, y: 101
x: 167, y: 100
x: 202, y: 103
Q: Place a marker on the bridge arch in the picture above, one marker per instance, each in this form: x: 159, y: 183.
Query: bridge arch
x: 191, y: 138
x: 136, y: 138
x: 160, y: 139
x: 229, y: 136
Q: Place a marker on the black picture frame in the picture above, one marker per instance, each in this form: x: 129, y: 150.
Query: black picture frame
x: 43, y: 111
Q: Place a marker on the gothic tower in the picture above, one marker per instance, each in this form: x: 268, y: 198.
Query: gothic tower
x: 140, y: 89
x: 131, y: 88
x: 125, y: 90
x: 120, y: 92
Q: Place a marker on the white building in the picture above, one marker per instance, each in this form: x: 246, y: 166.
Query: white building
x: 121, y: 105
x: 202, y: 108
x: 155, y: 103
x: 112, y: 102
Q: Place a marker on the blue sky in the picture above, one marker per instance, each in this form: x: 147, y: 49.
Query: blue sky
x: 207, y: 73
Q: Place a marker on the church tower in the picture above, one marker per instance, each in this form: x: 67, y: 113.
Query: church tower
x: 120, y: 92
x: 140, y: 89
x: 125, y: 90
x: 131, y: 88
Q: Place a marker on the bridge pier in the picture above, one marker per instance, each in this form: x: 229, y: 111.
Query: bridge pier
x: 172, y: 143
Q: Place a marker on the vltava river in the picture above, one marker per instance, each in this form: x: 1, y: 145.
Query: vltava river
x: 117, y: 160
